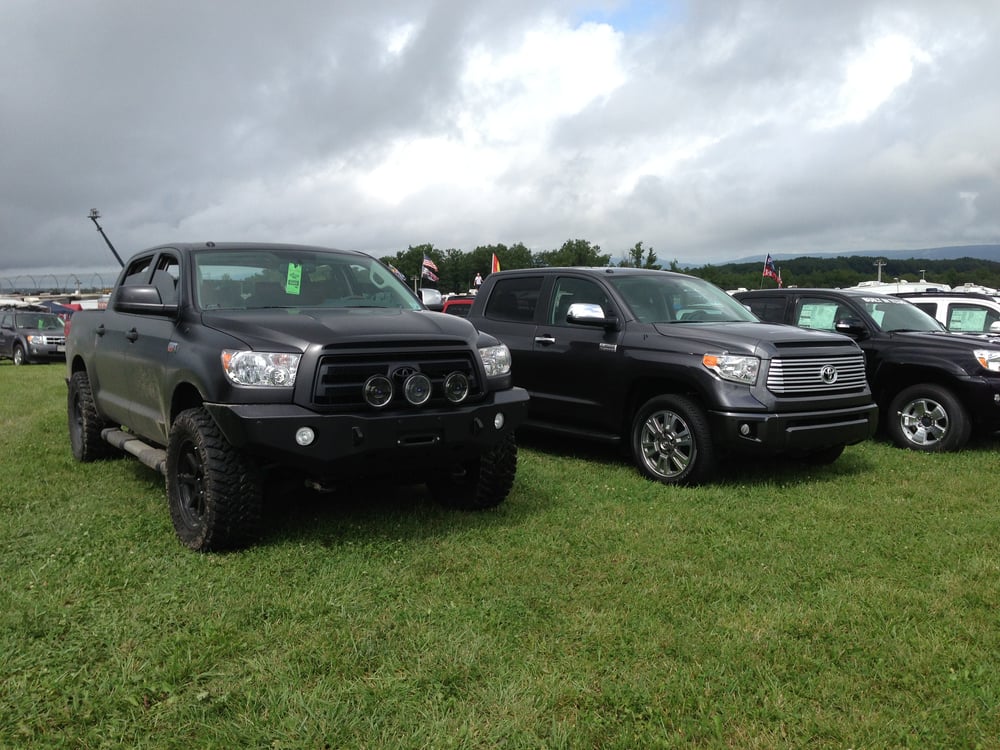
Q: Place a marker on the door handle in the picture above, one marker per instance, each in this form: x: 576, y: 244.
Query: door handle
x: 132, y: 335
x: 545, y: 340
x: 100, y: 329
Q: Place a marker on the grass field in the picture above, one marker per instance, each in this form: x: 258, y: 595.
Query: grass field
x: 849, y: 606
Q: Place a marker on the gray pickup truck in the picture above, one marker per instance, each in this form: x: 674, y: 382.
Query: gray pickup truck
x: 674, y: 369
x: 221, y: 364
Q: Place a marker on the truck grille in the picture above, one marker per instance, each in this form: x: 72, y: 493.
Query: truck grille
x: 341, y: 376
x: 817, y: 375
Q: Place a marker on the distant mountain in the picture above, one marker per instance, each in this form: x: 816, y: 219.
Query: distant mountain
x: 983, y: 252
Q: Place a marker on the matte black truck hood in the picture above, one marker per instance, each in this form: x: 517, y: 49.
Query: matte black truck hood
x: 300, y: 328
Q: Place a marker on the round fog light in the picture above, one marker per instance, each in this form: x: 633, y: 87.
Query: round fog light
x: 456, y: 387
x: 304, y: 436
x: 378, y: 391
x: 417, y: 388
x: 498, y: 420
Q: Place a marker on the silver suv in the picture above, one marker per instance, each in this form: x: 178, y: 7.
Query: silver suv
x: 960, y: 312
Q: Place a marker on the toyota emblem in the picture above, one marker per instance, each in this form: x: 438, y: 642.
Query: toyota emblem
x: 828, y: 374
x: 402, y: 373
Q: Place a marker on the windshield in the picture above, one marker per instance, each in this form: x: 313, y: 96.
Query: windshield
x: 894, y: 314
x: 39, y: 321
x: 294, y: 278
x: 666, y: 298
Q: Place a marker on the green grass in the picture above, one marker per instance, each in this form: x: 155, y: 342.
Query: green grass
x: 849, y: 606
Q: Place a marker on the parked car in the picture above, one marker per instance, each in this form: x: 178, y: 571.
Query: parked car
x: 672, y: 368
x: 960, y: 312
x: 459, y: 305
x: 431, y: 298
x: 933, y: 387
x: 27, y: 336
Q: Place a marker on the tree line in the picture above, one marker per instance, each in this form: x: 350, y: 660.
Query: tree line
x: 845, y: 271
x: 457, y: 269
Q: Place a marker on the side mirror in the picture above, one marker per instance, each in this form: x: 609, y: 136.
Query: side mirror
x: 854, y: 327
x: 589, y: 314
x: 141, y: 299
x: 995, y: 326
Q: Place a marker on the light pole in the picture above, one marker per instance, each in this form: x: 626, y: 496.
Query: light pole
x: 94, y: 216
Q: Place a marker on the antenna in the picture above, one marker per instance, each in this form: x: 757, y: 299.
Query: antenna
x: 94, y: 216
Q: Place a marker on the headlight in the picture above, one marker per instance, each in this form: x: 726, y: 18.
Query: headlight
x: 496, y: 360
x: 260, y: 368
x: 731, y: 367
x: 988, y: 358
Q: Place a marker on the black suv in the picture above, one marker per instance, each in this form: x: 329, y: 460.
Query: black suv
x: 28, y: 336
x: 674, y: 368
x: 933, y: 387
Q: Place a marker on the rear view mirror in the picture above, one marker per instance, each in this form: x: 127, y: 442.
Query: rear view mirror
x: 142, y: 299
x: 851, y: 327
x: 589, y: 314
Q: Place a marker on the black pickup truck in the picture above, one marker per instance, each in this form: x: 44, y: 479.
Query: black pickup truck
x: 674, y: 368
x: 934, y: 388
x: 222, y: 364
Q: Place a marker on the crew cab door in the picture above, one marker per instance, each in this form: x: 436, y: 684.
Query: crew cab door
x: 108, y: 367
x: 569, y: 369
x: 581, y: 361
x: 130, y: 349
x: 149, y: 353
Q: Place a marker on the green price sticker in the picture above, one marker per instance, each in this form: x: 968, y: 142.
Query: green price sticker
x: 293, y: 281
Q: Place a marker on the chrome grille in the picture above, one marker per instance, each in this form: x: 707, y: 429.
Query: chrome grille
x: 48, y: 340
x: 817, y: 375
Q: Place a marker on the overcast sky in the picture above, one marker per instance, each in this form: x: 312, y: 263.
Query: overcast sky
x: 707, y: 129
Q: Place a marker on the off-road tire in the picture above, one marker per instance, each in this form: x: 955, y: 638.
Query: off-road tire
x: 85, y: 424
x: 671, y: 441
x: 214, y: 493
x: 927, y: 417
x: 481, y: 483
x: 19, y: 356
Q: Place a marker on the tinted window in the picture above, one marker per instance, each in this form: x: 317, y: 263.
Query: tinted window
x: 569, y: 290
x: 137, y: 272
x: 514, y: 299
x: 771, y: 309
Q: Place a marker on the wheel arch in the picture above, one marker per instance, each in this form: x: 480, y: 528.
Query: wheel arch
x: 185, y: 396
x: 893, y: 379
x: 643, y: 389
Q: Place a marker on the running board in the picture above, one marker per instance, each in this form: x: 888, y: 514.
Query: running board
x: 154, y: 458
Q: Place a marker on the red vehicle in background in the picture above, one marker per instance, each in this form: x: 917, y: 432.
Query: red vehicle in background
x: 459, y: 305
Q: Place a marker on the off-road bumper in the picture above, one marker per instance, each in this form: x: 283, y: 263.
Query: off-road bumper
x: 358, y: 442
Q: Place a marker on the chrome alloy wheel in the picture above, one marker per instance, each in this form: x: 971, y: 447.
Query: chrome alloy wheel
x: 667, y: 444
